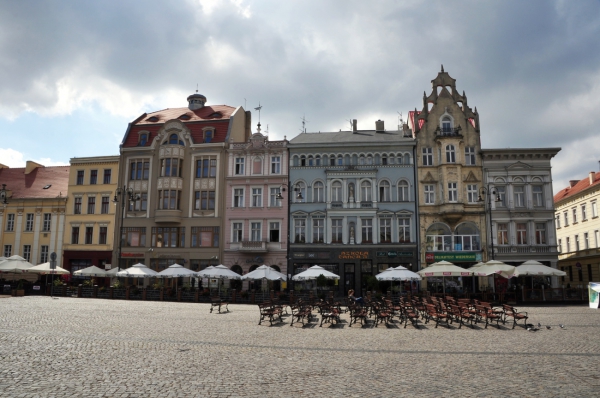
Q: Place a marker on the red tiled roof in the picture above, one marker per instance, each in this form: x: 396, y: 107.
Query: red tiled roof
x: 580, y: 186
x: 31, y: 186
x: 204, y: 113
x: 411, y: 118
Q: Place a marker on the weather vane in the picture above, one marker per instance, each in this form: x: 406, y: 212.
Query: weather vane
x: 258, y: 109
x: 304, y: 121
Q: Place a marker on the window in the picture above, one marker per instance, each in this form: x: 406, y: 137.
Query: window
x: 206, y: 167
x: 29, y: 222
x: 470, y: 156
x: 586, y: 241
x: 583, y: 212
x: 574, y: 209
x: 273, y: 193
x: 519, y: 195
x: 501, y: 192
x: 311, y: 161
x: 540, y: 234
x: 302, y: 160
x: 140, y: 170
x: 427, y: 156
x: 256, y: 231
x: 43, y: 254
x: 276, y: 164
x: 133, y: 236
x: 77, y: 205
x: 367, y: 230
x: 538, y: 195
x: 318, y: 192
x: 340, y: 160
x: 143, y: 139
x: 168, y: 237
x: 7, y: 250
x: 74, y: 235
x: 300, y: 230
x: 597, y: 238
x: 594, y: 210
x: 472, y: 193
x: 452, y: 192
x: 502, y: 234
x: 336, y: 191
x: 239, y: 166
x: 466, y: 237
x: 403, y: 191
x: 47, y: 222
x: 238, y: 197
x: 89, y: 233
x: 27, y: 252
x: 318, y: 230
x: 93, y: 177
x: 566, y: 217
x: 336, y: 231
x: 365, y: 191
x: 236, y: 232
x: 170, y: 168
x: 332, y: 161
x: 521, y: 233
x: 141, y: 204
x: 107, y: 175
x: 208, y: 135
x: 91, y: 207
x: 256, y: 197
x: 404, y: 230
x: 384, y: 161
x: 257, y: 166
x: 169, y: 199
x: 576, y: 243
x: 560, y: 245
x: 385, y: 230
x: 300, y: 190
x: 10, y: 223
x: 429, y: 194
x: 274, y: 229
x: 558, y: 221
x: 105, y: 205
x: 450, y: 154
x: 102, y: 236
x: 205, y: 237
x: 568, y: 244
x: 205, y: 200
x: 446, y: 125
x: 384, y: 191
x: 79, y: 177
x: 174, y: 140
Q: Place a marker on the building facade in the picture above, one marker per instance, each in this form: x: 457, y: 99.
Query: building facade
x: 353, y: 207
x: 173, y: 162
x: 578, y: 231
x: 32, y: 219
x: 519, y: 205
x: 256, y: 218
x: 449, y: 176
x: 90, y: 214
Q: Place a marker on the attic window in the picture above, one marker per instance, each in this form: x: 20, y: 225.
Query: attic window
x: 185, y: 117
x: 216, y: 115
x: 152, y: 119
x: 47, y: 186
x: 208, y: 135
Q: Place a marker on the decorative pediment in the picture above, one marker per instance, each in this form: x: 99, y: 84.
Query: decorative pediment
x: 471, y: 177
x: 519, y: 165
x: 385, y: 213
x: 404, y: 213
x: 299, y: 214
x: 429, y: 178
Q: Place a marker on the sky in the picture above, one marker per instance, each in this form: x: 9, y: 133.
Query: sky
x: 73, y: 74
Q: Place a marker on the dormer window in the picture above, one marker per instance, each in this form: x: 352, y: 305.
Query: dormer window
x: 152, y: 119
x: 143, y: 140
x: 173, y: 140
x: 208, y: 135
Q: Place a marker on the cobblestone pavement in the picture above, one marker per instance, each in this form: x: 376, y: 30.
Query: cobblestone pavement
x: 109, y: 348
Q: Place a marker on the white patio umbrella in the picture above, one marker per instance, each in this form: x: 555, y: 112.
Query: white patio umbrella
x: 138, y: 270
x: 443, y: 269
x: 15, y: 265
x: 218, y: 272
x: 265, y: 272
x: 399, y: 273
x: 532, y: 267
x: 313, y: 273
x: 44, y: 269
x: 91, y: 271
x: 494, y: 267
x: 176, y: 271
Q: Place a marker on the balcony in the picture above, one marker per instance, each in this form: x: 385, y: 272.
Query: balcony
x: 508, y: 249
x: 448, y: 132
x: 252, y: 246
x: 167, y: 216
x: 452, y: 212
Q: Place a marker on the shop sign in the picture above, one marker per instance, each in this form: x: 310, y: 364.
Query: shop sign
x: 353, y: 255
x: 255, y: 260
x: 132, y: 254
x: 299, y: 255
x: 394, y: 254
x: 452, y: 257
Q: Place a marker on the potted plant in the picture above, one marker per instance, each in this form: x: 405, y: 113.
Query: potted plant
x: 20, y: 288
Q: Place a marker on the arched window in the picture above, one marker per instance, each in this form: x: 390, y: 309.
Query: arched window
x: 365, y: 191
x: 336, y: 191
x: 446, y: 124
x: 403, y: 191
x: 300, y: 192
x: 174, y: 140
x: 317, y: 160
x: 384, y: 191
x: 369, y: 160
x: 318, y: 192
x: 384, y: 161
x: 302, y: 160
x: 466, y: 237
x: 438, y: 238
x: 361, y: 160
x: 143, y: 139
x: 340, y: 160
x: 450, y: 154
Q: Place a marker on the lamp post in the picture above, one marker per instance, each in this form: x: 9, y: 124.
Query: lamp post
x: 123, y: 195
x: 289, y: 234
x: 489, y: 192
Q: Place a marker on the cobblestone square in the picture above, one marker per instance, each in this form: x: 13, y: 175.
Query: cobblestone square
x: 70, y: 347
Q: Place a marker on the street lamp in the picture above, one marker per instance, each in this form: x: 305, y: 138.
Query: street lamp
x: 279, y: 196
x: 123, y: 195
x: 489, y: 192
x: 3, y: 195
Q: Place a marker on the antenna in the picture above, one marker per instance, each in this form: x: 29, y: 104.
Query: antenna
x: 400, y: 121
x: 304, y: 121
x: 258, y: 109
x: 351, y: 125
x: 196, y: 88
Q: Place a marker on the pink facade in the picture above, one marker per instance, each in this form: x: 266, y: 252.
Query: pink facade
x: 255, y: 230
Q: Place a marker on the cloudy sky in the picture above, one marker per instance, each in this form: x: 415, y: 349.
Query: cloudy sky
x: 73, y: 73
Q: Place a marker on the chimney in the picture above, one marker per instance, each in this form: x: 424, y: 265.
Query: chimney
x: 354, y: 122
x: 572, y: 183
x: 592, y: 177
x: 31, y: 166
x: 379, y: 126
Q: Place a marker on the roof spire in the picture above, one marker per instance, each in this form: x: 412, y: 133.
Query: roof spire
x: 442, y: 68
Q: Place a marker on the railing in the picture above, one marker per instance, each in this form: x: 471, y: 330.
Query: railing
x: 507, y: 249
x: 253, y: 245
x: 554, y: 294
x: 448, y: 132
x: 366, y: 205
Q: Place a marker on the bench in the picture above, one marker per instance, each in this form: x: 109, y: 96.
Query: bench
x: 270, y: 312
x: 510, y: 311
x: 217, y: 302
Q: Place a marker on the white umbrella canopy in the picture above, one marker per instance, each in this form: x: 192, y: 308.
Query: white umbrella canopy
x: 313, y: 273
x: 399, y: 273
x: 138, y: 270
x: 112, y: 272
x: 91, y: 271
x: 175, y: 271
x: 44, y: 268
x: 444, y: 268
x: 218, y: 272
x: 265, y: 272
x: 532, y: 267
x: 494, y: 267
x: 15, y: 264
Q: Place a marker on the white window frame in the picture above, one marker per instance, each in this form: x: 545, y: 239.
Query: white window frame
x: 403, y: 230
x: 29, y: 223
x: 594, y: 209
x: 385, y: 229
x: 257, y: 194
x: 366, y: 190
x: 450, y: 153
x: 318, y: 192
x: 538, y: 197
x: 366, y: 230
x: 384, y: 191
x: 403, y: 191
x: 470, y: 156
x: 472, y: 193
x: 521, y: 234
x: 519, y: 196
x: 583, y: 212
x: 574, y: 212
x: 239, y: 166
x: 427, y: 156
x: 337, y: 191
x: 255, y: 231
x: 452, y: 192
x: 235, y: 195
x: 429, y: 191
x: 271, y: 223
x: 299, y: 229
x: 273, y: 201
x: 337, y: 230
x: 10, y: 222
x: 275, y: 164
x: 540, y: 234
x: 318, y: 230
x: 235, y: 236
x: 502, y: 230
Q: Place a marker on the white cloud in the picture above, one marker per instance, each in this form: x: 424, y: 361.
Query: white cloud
x: 15, y: 159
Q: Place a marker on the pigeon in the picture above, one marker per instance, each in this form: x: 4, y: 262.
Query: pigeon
x: 533, y: 329
x: 539, y: 325
x: 548, y: 327
x: 562, y: 326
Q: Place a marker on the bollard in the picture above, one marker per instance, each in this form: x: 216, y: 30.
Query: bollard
x: 95, y: 291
